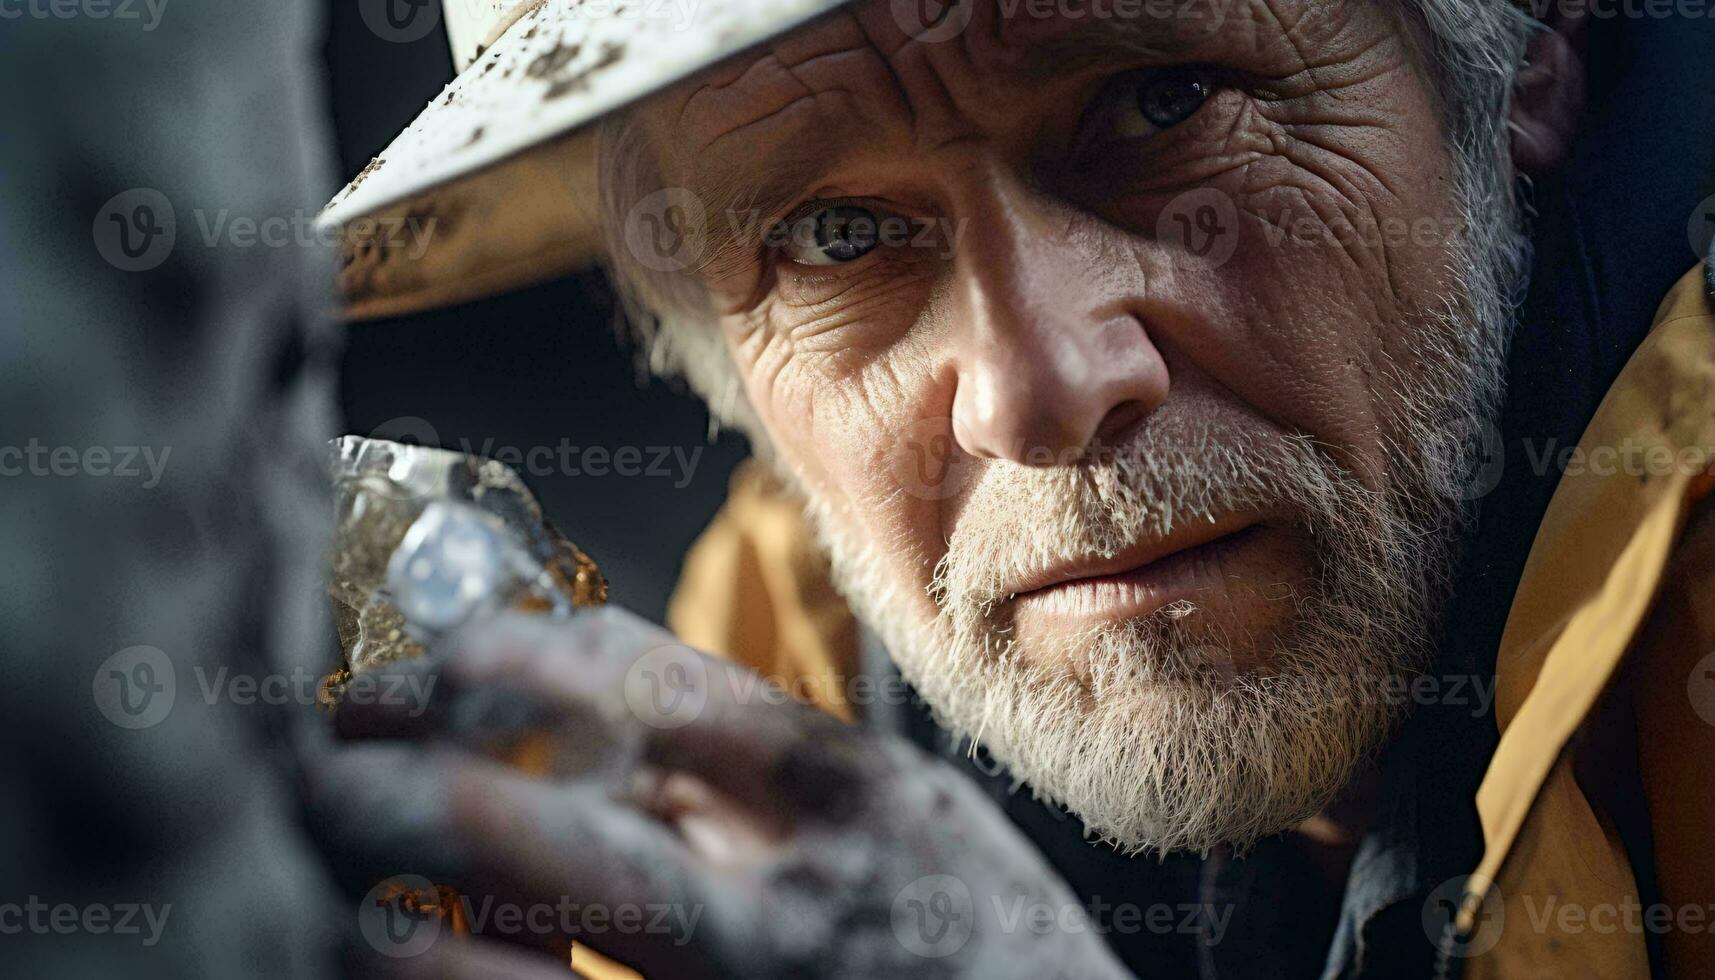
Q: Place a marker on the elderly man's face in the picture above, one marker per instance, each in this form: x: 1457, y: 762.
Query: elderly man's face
x: 1105, y: 347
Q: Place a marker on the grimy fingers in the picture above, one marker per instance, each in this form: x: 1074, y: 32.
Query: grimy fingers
x: 534, y: 863
x: 690, y: 712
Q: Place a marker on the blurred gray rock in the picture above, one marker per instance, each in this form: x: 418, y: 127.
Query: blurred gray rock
x: 165, y: 385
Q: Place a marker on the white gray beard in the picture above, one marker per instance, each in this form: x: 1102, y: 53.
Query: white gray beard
x: 1153, y: 735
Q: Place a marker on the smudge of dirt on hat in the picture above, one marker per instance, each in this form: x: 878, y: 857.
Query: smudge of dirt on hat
x: 363, y: 175
x: 552, y: 60
x: 611, y: 54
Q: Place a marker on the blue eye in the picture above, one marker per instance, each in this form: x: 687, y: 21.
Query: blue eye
x: 834, y: 235
x: 1141, y: 104
x: 1169, y: 98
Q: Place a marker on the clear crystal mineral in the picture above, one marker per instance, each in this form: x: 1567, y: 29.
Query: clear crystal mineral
x: 429, y: 539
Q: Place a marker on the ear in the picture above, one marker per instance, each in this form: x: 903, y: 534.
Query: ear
x: 1548, y: 93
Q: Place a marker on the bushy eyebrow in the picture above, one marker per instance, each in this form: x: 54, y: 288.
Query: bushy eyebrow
x: 742, y: 202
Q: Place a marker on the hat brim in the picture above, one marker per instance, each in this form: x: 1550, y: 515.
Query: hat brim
x: 493, y: 186
x: 522, y: 221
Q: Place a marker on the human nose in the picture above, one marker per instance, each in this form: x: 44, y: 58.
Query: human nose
x: 1050, y: 355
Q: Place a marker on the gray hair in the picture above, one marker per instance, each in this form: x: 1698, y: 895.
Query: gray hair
x: 666, y: 312
x: 1472, y: 50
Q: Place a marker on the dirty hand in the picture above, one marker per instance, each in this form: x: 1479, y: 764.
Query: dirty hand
x: 592, y: 780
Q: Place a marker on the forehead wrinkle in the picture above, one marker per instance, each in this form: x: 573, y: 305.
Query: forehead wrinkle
x: 1290, y: 32
x: 833, y: 55
x: 1293, y: 29
x: 782, y: 123
x: 744, y: 186
x: 798, y: 81
x: 1072, y: 46
x: 740, y: 198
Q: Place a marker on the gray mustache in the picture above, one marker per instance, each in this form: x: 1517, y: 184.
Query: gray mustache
x: 1017, y: 519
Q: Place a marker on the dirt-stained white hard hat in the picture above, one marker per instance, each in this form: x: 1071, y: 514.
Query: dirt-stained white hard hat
x: 493, y: 186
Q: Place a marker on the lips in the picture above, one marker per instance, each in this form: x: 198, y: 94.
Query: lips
x: 1215, y: 565
x: 1137, y: 557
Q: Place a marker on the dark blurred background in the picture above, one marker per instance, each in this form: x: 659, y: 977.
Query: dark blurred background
x: 529, y: 369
